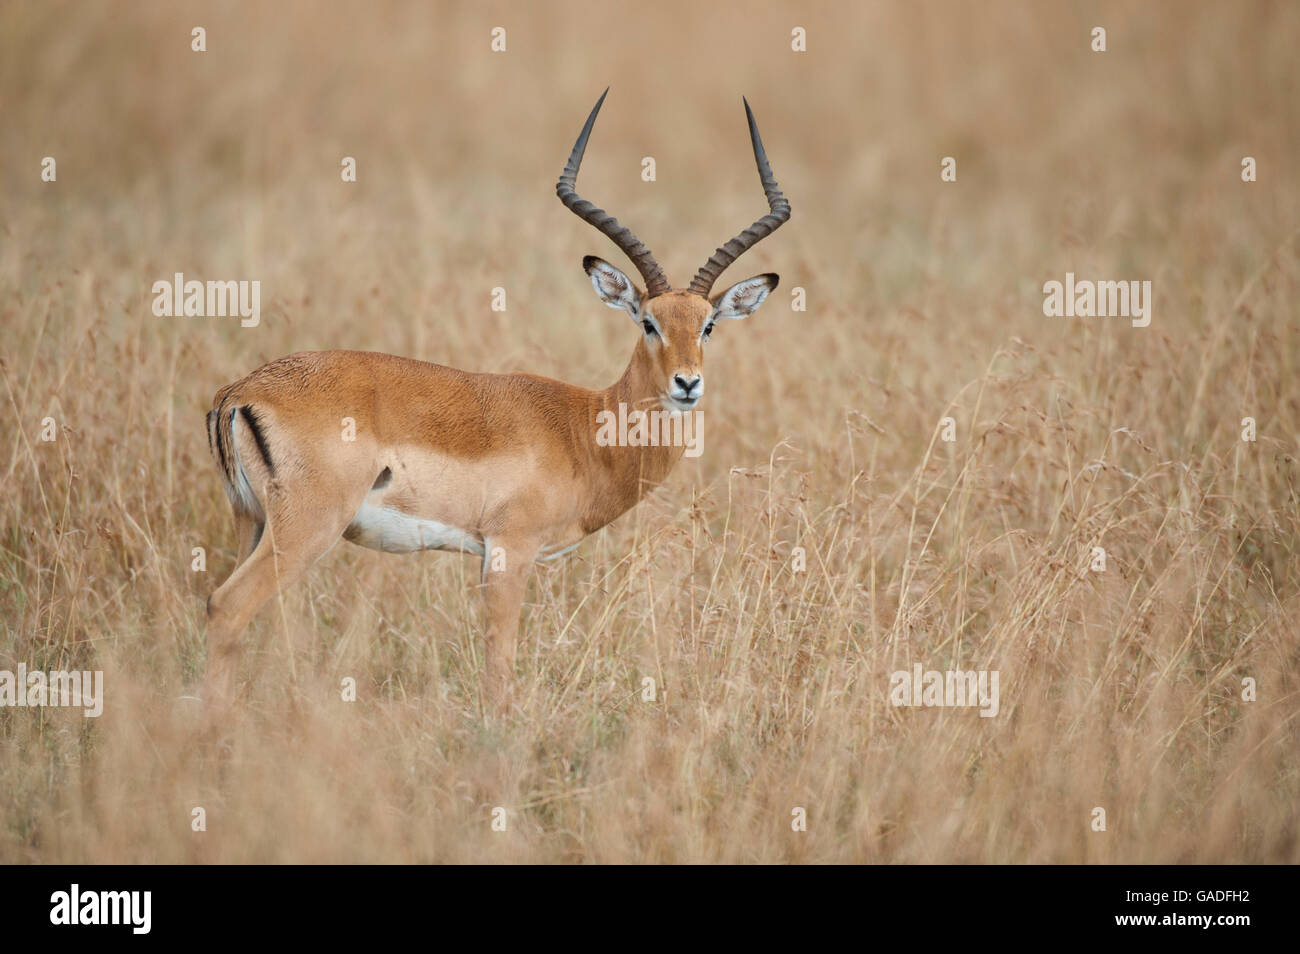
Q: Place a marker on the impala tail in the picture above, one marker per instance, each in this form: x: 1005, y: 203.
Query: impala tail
x: 231, y: 425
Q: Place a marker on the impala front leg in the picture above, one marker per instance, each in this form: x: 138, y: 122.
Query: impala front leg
x: 505, y: 577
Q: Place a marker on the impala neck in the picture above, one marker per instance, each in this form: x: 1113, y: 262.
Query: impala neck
x: 626, y: 473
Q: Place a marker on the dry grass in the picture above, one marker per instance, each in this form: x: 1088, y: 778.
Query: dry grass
x: 1119, y: 689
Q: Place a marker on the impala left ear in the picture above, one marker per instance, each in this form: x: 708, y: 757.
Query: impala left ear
x: 743, y: 298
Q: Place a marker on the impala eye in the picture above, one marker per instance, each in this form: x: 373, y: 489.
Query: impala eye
x: 649, y: 328
x: 708, y: 330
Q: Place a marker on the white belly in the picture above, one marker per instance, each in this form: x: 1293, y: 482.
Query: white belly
x: 383, y: 528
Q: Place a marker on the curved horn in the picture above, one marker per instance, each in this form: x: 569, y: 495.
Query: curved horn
x: 656, y: 283
x: 780, y: 213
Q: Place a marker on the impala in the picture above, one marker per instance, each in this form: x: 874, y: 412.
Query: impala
x: 506, y: 467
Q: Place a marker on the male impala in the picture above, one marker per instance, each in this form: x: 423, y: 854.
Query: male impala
x: 506, y: 467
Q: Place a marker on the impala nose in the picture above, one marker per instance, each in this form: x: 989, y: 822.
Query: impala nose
x: 686, y: 386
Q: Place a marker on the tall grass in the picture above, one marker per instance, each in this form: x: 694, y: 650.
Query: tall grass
x: 1120, y: 689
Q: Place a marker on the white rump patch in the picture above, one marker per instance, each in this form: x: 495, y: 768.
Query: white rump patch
x: 392, y: 531
x: 241, y: 491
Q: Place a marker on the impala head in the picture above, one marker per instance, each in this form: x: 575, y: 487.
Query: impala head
x: 675, y: 323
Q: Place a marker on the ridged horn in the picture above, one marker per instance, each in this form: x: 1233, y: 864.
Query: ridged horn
x: 779, y: 215
x: 656, y: 283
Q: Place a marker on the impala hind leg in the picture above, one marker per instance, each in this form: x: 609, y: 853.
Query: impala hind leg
x: 505, y: 579
x: 291, y: 541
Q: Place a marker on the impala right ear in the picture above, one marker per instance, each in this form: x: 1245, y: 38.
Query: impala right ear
x: 614, y: 288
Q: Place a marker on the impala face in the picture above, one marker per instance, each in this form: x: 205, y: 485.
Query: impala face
x: 675, y: 326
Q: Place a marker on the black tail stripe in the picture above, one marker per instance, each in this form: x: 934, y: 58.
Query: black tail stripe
x: 222, y: 427
x: 254, y: 425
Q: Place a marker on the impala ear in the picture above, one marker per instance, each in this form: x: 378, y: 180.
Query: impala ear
x: 743, y: 298
x: 614, y: 288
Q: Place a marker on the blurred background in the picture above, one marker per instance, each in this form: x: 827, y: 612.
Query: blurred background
x: 1120, y: 689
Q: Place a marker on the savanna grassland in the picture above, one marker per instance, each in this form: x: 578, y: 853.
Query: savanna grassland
x: 1120, y: 689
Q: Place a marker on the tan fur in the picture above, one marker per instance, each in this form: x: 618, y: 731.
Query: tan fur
x: 511, y: 460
